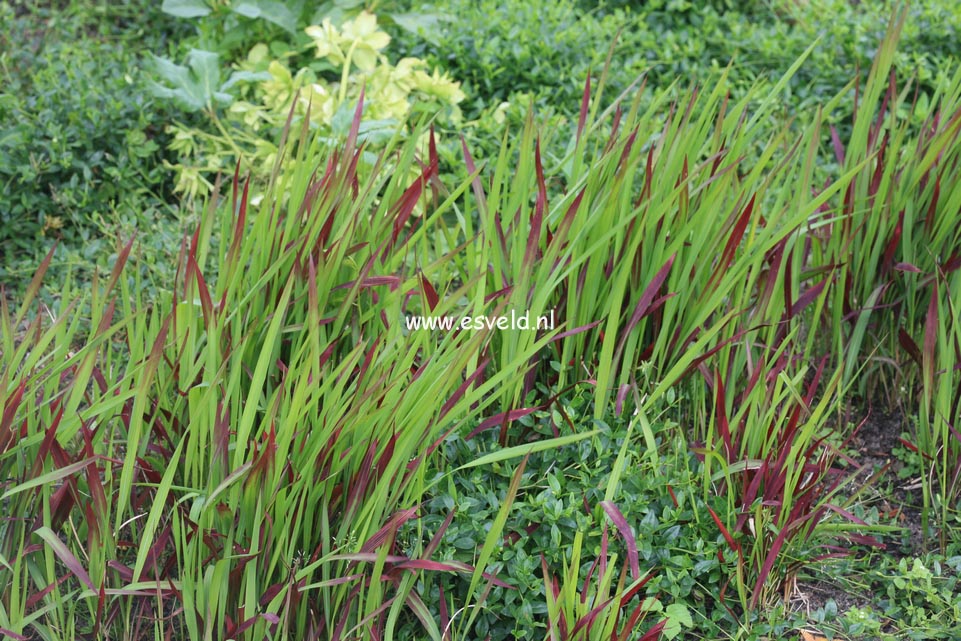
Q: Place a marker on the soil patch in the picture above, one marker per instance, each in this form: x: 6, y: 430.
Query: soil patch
x: 879, y: 484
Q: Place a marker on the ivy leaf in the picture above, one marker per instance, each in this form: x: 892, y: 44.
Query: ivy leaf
x: 186, y: 8
x: 194, y: 85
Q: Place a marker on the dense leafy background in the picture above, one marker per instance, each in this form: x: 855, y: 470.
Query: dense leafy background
x: 82, y: 142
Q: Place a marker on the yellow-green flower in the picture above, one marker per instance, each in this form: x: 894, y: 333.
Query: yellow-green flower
x: 252, y: 115
x: 258, y: 55
x: 190, y: 180
x: 318, y: 101
x: 439, y: 86
x: 389, y: 89
x: 280, y: 88
x: 328, y: 41
x: 183, y: 140
x: 403, y: 74
x: 365, y: 40
x: 500, y: 114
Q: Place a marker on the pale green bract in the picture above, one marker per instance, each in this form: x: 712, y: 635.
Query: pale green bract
x: 272, y: 90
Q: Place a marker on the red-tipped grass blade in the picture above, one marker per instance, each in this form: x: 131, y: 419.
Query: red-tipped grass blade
x: 930, y: 340
x: 430, y: 294
x: 65, y: 555
x: 502, y: 419
x: 655, y: 632
x: 731, y: 543
x: 643, y: 306
x: 737, y: 234
x: 389, y: 528
x: 534, y: 234
x: 625, y: 531
x: 475, y: 181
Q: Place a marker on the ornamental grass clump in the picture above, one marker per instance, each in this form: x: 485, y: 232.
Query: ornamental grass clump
x: 656, y: 240
x: 235, y: 459
x: 895, y: 227
x: 600, y: 608
x: 939, y: 417
x: 892, y: 249
x: 675, y: 245
x: 698, y: 241
x: 774, y: 463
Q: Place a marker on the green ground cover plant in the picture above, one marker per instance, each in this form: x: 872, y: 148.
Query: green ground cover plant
x: 266, y: 448
x: 512, y: 54
x: 81, y: 142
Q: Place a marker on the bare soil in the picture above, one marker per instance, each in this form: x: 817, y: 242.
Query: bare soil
x: 897, y: 500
